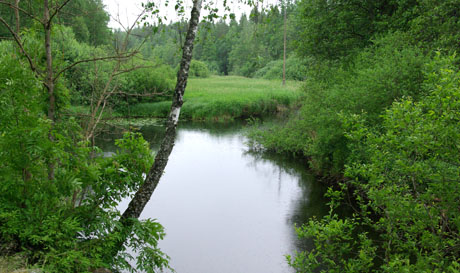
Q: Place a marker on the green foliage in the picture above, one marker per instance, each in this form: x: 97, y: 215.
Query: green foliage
x: 163, y: 46
x: 337, y: 30
x: 62, y: 222
x: 406, y: 186
x: 227, y: 48
x: 149, y: 83
x: 295, y: 70
x: 389, y: 70
x: 143, y: 81
x: 332, y: 30
x: 381, y: 115
x: 213, y: 45
x: 417, y: 165
x: 247, y: 55
x: 198, y: 69
x: 336, y: 247
x: 87, y: 19
x: 90, y: 26
x: 437, y: 24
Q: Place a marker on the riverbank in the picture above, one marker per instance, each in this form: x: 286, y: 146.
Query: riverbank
x: 225, y: 98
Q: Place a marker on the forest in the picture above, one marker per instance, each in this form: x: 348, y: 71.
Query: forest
x: 365, y: 94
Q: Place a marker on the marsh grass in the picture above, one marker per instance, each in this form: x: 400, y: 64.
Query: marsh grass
x: 226, y: 98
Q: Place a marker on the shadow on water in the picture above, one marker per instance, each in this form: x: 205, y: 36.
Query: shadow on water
x: 311, y: 203
x: 227, y: 209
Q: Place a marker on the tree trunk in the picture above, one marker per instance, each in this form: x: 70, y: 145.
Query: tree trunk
x: 49, y: 80
x: 284, y: 51
x: 144, y: 193
x: 142, y: 196
x: 16, y: 14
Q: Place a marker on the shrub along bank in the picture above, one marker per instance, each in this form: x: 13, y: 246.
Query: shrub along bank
x: 404, y: 176
x: 58, y: 201
x: 390, y: 69
x: 380, y: 115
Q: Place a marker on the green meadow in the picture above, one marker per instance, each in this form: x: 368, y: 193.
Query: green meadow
x: 226, y: 98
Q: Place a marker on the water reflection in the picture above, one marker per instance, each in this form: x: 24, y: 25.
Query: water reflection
x: 311, y: 202
x: 226, y: 209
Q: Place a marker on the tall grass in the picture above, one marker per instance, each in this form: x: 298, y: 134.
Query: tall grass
x: 223, y: 98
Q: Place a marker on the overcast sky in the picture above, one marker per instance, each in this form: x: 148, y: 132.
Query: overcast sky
x: 127, y: 10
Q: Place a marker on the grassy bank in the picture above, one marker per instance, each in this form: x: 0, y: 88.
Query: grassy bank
x: 223, y: 98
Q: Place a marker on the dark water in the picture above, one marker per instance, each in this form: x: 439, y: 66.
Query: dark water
x: 226, y: 210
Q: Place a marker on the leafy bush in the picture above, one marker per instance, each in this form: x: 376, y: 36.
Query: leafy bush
x: 88, y: 79
x: 84, y: 79
x: 150, y: 84
x: 295, y: 70
x: 406, y: 187
x: 436, y: 25
x: 392, y: 68
x: 143, y: 81
x: 198, y: 69
x: 58, y: 198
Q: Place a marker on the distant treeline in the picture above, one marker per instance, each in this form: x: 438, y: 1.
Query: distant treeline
x: 251, y: 46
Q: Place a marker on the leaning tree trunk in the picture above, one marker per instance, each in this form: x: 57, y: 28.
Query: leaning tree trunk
x: 144, y: 193
x: 142, y: 196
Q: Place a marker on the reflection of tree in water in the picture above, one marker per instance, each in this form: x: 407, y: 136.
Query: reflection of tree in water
x: 311, y: 203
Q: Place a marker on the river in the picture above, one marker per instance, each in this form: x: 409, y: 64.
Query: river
x: 227, y: 210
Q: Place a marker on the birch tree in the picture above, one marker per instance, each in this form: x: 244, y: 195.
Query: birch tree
x: 143, y: 195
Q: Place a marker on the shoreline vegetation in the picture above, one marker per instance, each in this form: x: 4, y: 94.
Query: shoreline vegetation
x: 380, y: 114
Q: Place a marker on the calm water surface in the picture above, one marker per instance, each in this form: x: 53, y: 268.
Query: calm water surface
x: 226, y: 210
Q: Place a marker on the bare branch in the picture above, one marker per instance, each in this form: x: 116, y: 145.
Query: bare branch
x: 128, y: 33
x: 134, y: 68
x: 21, y: 46
x: 108, y: 91
x: 21, y: 10
x: 93, y: 122
x: 58, y: 9
x: 140, y: 95
x: 94, y: 60
x: 101, y: 112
